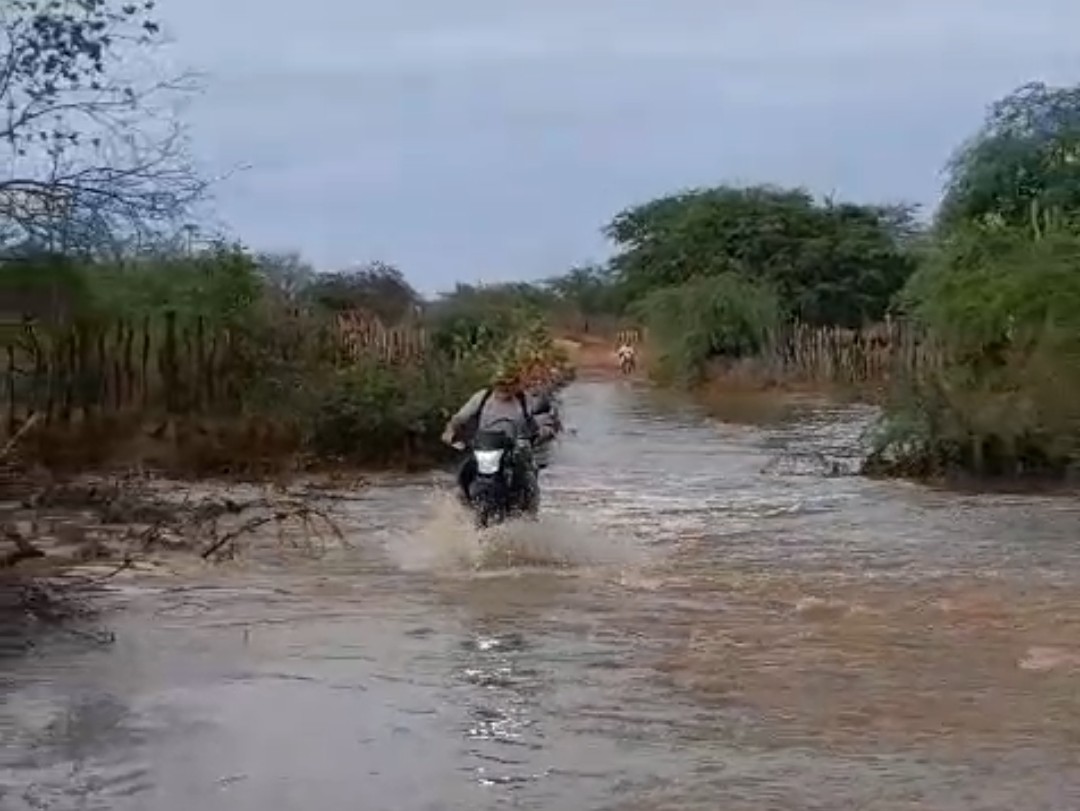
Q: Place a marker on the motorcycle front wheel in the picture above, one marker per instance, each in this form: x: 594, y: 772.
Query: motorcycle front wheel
x: 488, y: 517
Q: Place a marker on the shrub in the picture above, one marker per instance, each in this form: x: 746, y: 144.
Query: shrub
x: 242, y: 354
x: 1003, y: 398
x: 723, y: 315
x: 374, y: 414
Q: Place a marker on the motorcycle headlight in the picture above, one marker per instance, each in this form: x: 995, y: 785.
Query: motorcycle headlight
x: 487, y: 462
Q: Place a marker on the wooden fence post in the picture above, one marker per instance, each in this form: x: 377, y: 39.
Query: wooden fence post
x: 168, y: 363
x: 144, y: 368
x: 12, y: 417
x: 199, y: 377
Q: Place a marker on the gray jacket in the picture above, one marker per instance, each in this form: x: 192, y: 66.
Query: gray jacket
x: 496, y: 414
x: 544, y: 408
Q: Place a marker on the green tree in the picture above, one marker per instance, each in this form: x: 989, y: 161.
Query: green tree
x: 589, y: 291
x: 831, y: 263
x: 1022, y: 168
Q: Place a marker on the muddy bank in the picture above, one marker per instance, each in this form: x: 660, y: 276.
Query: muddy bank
x: 99, y: 525
x: 199, y: 447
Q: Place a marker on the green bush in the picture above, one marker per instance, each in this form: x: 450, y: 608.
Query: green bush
x: 482, y: 320
x: 997, y: 296
x: 1002, y: 313
x: 221, y: 285
x: 372, y: 413
x: 45, y: 286
x: 691, y: 323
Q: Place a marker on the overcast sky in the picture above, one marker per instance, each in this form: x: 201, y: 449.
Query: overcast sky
x: 491, y: 139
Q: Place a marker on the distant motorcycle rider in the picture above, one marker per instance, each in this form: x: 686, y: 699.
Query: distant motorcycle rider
x: 503, y: 407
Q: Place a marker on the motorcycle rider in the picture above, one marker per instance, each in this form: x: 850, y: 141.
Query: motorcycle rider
x: 544, y: 406
x: 502, y: 407
x: 627, y: 357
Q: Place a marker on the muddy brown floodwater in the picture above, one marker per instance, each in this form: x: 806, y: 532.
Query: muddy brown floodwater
x: 735, y: 627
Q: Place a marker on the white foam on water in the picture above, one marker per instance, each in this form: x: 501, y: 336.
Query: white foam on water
x: 444, y: 539
x: 447, y: 539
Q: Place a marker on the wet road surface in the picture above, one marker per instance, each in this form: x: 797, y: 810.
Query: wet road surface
x: 707, y: 617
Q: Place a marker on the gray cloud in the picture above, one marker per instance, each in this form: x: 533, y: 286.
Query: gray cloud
x: 482, y: 139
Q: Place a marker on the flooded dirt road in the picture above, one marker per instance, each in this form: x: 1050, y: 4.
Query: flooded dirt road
x: 737, y: 628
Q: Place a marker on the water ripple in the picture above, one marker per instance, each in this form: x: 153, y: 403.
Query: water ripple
x: 710, y: 614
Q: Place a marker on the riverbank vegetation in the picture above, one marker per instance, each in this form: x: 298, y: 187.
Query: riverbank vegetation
x: 147, y: 342
x: 762, y: 281
x: 130, y: 338
x: 965, y: 327
x: 998, y: 294
x: 218, y: 362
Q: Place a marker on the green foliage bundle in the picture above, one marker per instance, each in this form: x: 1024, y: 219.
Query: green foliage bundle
x: 483, y: 320
x: 219, y: 285
x: 374, y: 413
x: 690, y: 323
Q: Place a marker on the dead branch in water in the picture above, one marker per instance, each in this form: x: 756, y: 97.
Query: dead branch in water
x: 24, y: 429
x: 125, y: 520
x: 24, y: 550
x: 278, y: 512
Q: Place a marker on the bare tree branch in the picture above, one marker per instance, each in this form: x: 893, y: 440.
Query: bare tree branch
x: 90, y: 156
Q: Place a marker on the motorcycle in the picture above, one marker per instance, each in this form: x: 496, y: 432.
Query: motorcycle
x: 493, y: 494
x: 627, y: 364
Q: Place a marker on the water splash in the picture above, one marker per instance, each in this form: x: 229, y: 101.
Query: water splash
x: 444, y: 539
x: 447, y: 539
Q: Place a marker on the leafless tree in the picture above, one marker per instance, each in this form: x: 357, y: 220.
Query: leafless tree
x: 91, y: 158
x: 286, y: 273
